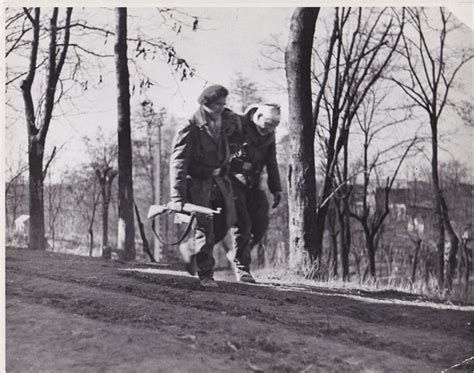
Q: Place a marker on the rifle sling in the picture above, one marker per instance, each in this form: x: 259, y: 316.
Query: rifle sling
x: 146, y: 246
x: 181, y: 239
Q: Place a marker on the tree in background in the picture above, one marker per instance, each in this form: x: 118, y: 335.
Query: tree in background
x: 427, y: 77
x: 84, y: 192
x: 14, y: 191
x: 372, y: 216
x: 55, y: 202
x: 103, y: 163
x: 147, y: 153
x: 126, y: 227
x: 359, y: 50
x: 244, y: 92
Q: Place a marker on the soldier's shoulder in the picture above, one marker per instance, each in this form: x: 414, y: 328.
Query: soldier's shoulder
x: 186, y: 128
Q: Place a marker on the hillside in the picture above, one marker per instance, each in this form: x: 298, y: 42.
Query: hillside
x: 68, y: 313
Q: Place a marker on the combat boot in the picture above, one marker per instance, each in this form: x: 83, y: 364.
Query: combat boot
x: 208, y: 282
x: 244, y: 276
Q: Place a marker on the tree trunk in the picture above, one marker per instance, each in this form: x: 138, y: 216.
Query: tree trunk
x: 370, y: 245
x: 454, y: 243
x: 105, y: 222
x: 468, y: 260
x: 261, y: 253
x: 333, y: 241
x: 345, y: 235
x: 301, y: 170
x: 91, y: 240
x: 126, y: 228
x: 442, y: 217
x: 37, y: 239
x: 346, y: 249
x: 415, y: 260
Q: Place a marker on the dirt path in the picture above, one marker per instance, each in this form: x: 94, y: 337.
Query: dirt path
x: 74, y: 314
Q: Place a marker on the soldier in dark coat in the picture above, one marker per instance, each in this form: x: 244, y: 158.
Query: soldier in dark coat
x: 254, y: 148
x: 199, y: 166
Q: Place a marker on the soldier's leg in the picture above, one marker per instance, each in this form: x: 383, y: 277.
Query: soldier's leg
x: 204, y: 244
x: 219, y: 220
x: 258, y: 215
x: 241, y: 230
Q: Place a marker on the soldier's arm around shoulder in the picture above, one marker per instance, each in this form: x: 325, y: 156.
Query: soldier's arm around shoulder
x: 274, y: 183
x: 232, y: 122
x: 181, y: 151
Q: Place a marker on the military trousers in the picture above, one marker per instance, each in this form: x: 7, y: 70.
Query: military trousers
x: 252, y: 222
x: 209, y: 231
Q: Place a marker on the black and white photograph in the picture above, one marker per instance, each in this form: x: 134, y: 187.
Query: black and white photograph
x: 237, y: 188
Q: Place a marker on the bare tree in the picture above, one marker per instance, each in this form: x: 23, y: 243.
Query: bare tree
x: 103, y: 155
x: 301, y: 170
x: 372, y: 216
x: 360, y: 48
x: 85, y: 192
x: 148, y: 159
x: 126, y: 227
x: 38, y: 127
x: 431, y: 68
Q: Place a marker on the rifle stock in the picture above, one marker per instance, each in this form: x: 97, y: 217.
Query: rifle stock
x: 187, y: 208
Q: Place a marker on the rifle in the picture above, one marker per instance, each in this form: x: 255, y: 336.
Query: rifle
x: 180, y: 208
x: 187, y: 208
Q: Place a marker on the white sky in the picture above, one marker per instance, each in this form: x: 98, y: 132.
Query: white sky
x: 228, y: 40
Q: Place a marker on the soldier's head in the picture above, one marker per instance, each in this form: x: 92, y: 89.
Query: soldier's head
x: 214, y: 99
x: 266, y: 118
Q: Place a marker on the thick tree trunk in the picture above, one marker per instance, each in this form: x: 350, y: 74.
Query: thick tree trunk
x: 301, y: 170
x: 370, y: 246
x: 443, y: 223
x: 37, y: 239
x: 440, y: 236
x: 126, y: 228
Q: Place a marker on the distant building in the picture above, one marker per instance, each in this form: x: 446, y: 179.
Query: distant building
x: 411, y: 204
x: 21, y: 223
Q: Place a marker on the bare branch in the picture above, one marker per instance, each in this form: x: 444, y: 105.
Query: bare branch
x: 448, y: 84
x: 48, y: 163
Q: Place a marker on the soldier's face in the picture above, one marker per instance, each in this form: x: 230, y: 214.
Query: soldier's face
x: 217, y: 106
x: 266, y: 125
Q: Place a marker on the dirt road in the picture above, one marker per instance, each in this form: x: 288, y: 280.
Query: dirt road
x: 75, y: 314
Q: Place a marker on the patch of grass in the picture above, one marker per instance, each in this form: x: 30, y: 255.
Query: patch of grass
x: 318, y: 276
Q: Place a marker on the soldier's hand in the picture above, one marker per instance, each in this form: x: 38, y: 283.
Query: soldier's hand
x: 232, y: 121
x: 276, y: 199
x: 176, y: 205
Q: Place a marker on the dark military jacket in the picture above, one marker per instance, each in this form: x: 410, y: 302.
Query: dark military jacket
x: 252, y: 152
x: 199, y: 160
